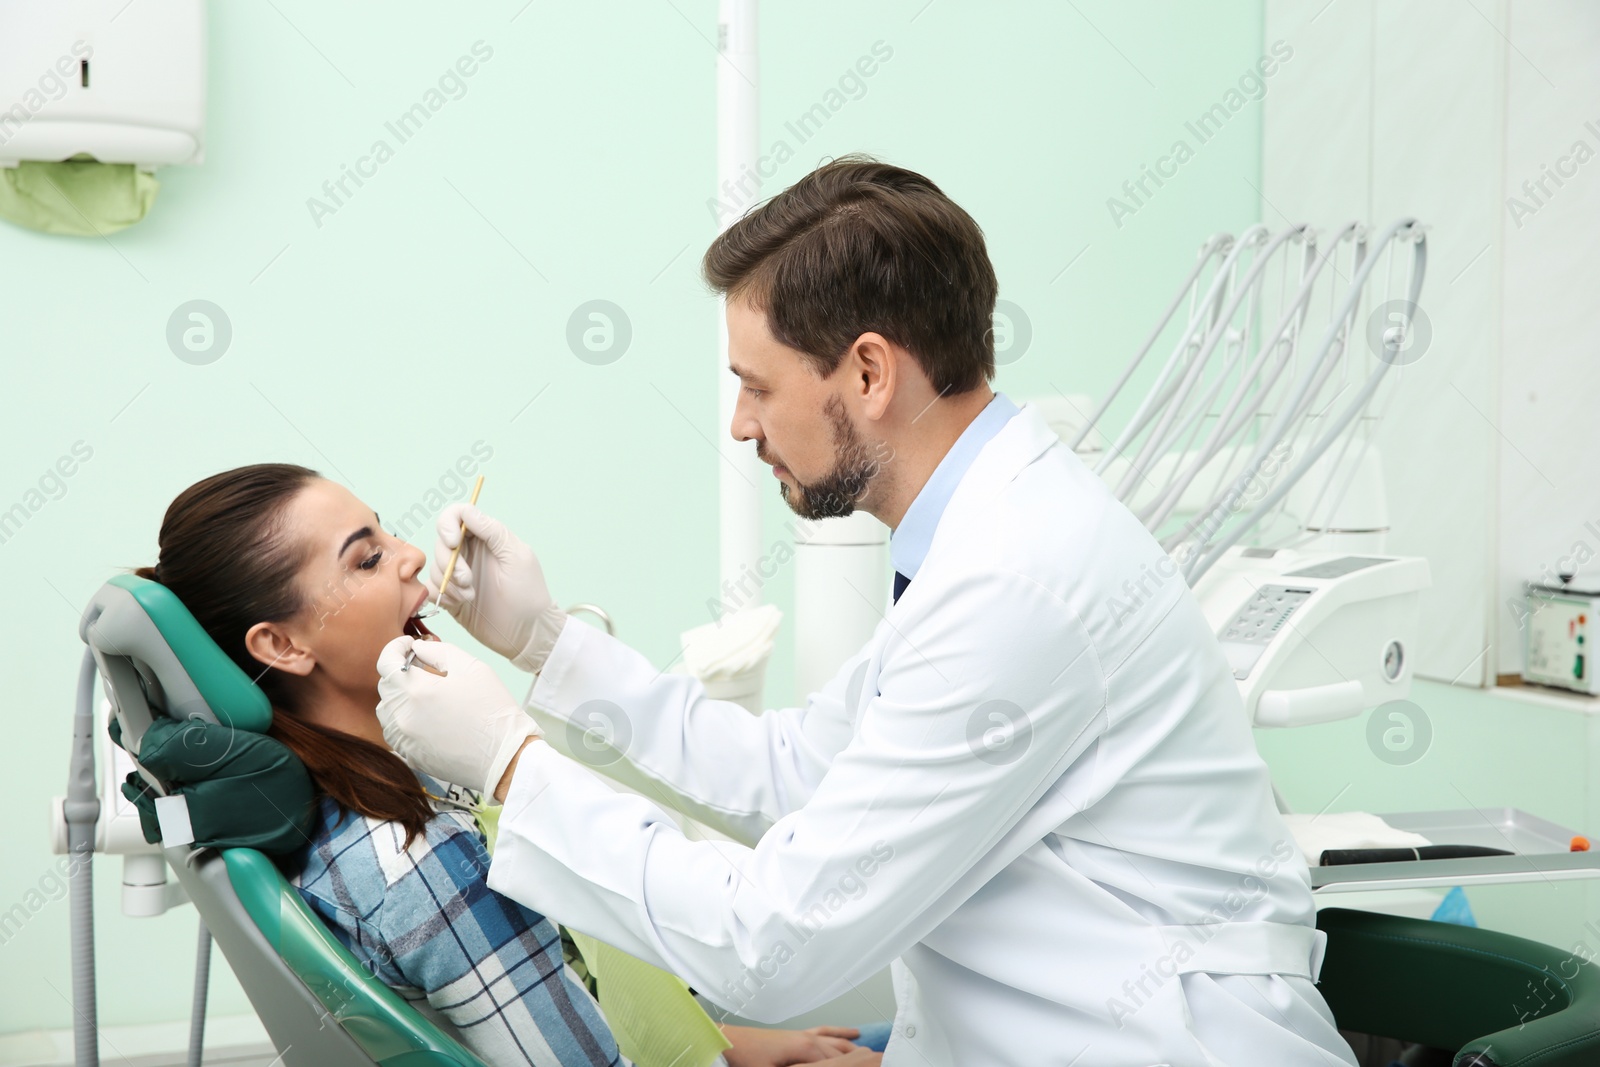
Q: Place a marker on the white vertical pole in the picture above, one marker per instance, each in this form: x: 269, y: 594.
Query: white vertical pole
x: 738, y: 147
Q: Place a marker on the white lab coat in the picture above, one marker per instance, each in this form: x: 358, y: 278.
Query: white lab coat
x: 1023, y: 792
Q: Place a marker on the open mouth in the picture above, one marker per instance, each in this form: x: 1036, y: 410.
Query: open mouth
x: 415, y: 627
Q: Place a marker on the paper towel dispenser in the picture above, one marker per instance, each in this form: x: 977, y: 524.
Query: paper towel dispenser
x: 122, y: 81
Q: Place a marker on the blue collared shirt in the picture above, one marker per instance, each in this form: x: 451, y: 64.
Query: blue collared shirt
x: 908, y: 543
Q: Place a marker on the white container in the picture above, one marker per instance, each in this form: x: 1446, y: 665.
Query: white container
x: 125, y: 83
x: 841, y: 592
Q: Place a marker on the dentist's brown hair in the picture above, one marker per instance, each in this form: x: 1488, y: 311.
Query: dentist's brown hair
x: 858, y: 246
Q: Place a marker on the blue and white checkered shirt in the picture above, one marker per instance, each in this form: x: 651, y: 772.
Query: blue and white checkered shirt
x: 424, y: 921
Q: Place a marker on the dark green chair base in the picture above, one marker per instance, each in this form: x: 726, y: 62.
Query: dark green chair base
x: 1502, y: 1001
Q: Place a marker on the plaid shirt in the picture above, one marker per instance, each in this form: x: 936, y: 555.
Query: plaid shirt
x: 424, y: 921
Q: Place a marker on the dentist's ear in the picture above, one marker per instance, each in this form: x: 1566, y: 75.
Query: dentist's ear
x: 269, y: 644
x: 875, y: 372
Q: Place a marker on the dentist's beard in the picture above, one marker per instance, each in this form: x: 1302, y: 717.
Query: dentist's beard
x: 836, y: 494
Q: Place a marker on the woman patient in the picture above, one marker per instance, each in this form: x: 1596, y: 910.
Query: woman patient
x: 296, y: 580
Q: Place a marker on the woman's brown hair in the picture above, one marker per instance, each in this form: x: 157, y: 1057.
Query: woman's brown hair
x: 226, y: 554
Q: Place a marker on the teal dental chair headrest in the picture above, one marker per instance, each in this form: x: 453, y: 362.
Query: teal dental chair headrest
x: 173, y: 663
x: 195, y: 725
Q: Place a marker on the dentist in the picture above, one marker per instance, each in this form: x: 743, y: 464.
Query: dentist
x: 1033, y: 794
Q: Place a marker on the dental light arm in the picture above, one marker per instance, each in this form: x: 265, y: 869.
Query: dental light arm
x: 1392, y: 342
x: 1219, y: 244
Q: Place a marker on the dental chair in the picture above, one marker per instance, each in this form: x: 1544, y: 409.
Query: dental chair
x: 1502, y: 1001
x: 1495, y: 999
x: 319, y: 1005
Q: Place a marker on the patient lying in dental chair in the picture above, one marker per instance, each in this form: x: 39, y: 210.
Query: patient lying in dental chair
x: 300, y: 584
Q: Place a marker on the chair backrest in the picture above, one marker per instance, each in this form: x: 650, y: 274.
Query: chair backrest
x: 155, y: 660
x: 1500, y: 1000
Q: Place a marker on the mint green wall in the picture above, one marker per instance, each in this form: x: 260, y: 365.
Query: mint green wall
x: 424, y: 315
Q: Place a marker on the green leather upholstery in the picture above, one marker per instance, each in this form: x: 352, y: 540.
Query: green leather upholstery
x: 227, y: 690
x: 1502, y: 1001
x: 383, y: 1024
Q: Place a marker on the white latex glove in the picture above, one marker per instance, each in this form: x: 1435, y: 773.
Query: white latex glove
x: 497, y: 590
x: 463, y: 728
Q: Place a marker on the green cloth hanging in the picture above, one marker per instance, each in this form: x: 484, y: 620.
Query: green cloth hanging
x: 81, y: 197
x: 656, y: 1020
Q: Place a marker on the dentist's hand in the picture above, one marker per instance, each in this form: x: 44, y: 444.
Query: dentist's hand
x: 497, y: 590
x: 461, y: 726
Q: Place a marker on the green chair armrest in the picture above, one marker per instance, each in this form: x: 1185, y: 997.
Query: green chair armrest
x: 1499, y: 999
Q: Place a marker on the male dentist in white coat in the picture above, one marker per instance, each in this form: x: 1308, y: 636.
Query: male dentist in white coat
x: 1043, y: 809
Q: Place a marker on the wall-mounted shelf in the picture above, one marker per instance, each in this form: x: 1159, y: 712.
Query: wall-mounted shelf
x: 1513, y: 688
